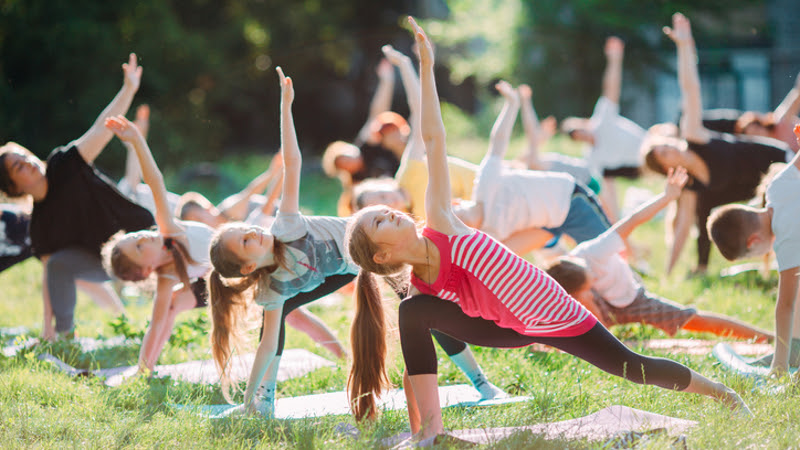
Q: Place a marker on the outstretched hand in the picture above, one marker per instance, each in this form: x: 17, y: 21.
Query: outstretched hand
x: 423, y: 44
x: 132, y: 72
x: 142, y: 120
x: 287, y: 89
x: 393, y: 56
x: 676, y: 180
x: 384, y: 70
x: 681, y: 31
x: 525, y: 92
x: 615, y: 48
x: 123, y: 128
x: 506, y: 90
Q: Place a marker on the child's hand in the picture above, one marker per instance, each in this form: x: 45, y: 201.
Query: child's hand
x: 393, y: 56
x: 423, y: 44
x: 525, y: 92
x: 505, y: 89
x: 287, y: 90
x: 681, y: 31
x: 548, y: 127
x: 676, y: 180
x: 132, y: 72
x: 123, y: 128
x: 142, y: 120
x: 614, y: 48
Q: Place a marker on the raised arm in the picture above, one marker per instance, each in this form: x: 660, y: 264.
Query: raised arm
x: 676, y: 180
x: 133, y: 173
x: 97, y: 137
x: 790, y: 105
x: 689, y: 80
x: 438, y: 209
x: 504, y: 124
x: 234, y: 207
x: 276, y: 187
x: 382, y: 99
x: 679, y: 226
x: 530, y: 123
x: 292, y: 159
x: 612, y: 77
x: 415, y: 148
x: 127, y: 132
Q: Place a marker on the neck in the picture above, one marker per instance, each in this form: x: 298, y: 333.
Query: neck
x: 425, y: 263
x: 38, y: 191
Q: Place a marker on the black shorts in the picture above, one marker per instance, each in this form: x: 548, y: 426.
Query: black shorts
x: 200, y: 292
x: 629, y: 172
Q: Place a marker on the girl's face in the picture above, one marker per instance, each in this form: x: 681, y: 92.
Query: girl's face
x: 24, y: 169
x: 145, y: 249
x: 388, y: 228
x: 667, y: 156
x: 250, y: 244
x: 386, y: 196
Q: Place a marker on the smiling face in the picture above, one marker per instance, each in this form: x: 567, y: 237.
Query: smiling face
x: 251, y: 245
x: 145, y: 249
x: 24, y: 170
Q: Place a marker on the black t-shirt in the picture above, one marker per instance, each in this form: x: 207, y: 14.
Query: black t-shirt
x: 721, y: 120
x: 737, y: 163
x: 82, y: 207
x: 378, y: 162
x: 15, y: 245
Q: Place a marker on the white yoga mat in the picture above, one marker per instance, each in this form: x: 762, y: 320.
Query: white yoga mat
x: 294, y: 363
x: 602, y: 425
x: 335, y: 403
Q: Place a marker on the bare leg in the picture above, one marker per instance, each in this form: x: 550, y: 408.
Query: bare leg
x: 303, y: 320
x: 426, y: 391
x: 726, y: 326
x: 411, y: 400
x: 103, y: 295
x: 718, y: 391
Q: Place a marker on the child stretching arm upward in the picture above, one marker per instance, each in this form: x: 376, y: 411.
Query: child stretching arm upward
x: 488, y: 295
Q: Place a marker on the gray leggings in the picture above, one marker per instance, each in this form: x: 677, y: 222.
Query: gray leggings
x: 63, y: 268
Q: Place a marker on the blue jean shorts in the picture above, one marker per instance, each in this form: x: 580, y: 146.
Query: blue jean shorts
x: 585, y: 219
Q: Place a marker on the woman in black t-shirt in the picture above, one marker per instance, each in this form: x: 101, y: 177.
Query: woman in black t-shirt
x: 723, y: 168
x: 75, y: 209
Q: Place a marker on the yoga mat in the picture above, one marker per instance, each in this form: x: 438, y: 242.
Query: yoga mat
x: 335, y: 403
x: 738, y: 269
x: 733, y: 361
x: 294, y: 363
x: 86, y: 344
x: 604, y: 424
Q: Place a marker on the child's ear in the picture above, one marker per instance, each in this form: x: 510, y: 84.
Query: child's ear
x: 248, y: 268
x: 381, y: 257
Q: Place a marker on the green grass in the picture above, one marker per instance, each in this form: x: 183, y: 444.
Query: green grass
x: 43, y: 408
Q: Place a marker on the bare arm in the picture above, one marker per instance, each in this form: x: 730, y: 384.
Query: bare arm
x: 688, y: 79
x: 415, y: 147
x: 265, y: 354
x: 273, y: 194
x: 790, y: 105
x: 504, y: 124
x: 530, y: 123
x: 438, y: 208
x: 97, y: 137
x: 676, y: 180
x: 133, y: 173
x: 678, y: 229
x: 161, y: 305
x: 234, y: 207
x: 788, y: 286
x: 612, y: 77
x: 127, y: 132
x: 382, y: 99
x: 292, y: 159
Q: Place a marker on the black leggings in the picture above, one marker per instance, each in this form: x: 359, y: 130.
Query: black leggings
x: 422, y: 313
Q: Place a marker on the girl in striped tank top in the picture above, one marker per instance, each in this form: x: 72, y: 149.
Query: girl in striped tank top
x: 473, y: 289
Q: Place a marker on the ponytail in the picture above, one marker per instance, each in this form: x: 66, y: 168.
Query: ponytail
x: 368, y: 340
x: 180, y: 256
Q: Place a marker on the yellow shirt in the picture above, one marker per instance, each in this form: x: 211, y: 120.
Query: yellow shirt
x: 413, y: 177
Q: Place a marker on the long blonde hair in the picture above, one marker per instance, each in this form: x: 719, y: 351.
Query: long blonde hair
x: 229, y: 296
x: 367, y: 376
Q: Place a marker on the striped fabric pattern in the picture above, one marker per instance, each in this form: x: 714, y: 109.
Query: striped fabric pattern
x: 499, y: 285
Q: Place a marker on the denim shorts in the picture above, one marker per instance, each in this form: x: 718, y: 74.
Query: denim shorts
x: 585, y: 219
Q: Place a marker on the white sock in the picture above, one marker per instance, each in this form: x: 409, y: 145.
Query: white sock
x: 466, y: 362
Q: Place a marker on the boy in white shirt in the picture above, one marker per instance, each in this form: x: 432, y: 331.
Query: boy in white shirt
x: 596, y: 275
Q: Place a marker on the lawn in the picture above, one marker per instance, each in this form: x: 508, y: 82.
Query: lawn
x: 40, y: 407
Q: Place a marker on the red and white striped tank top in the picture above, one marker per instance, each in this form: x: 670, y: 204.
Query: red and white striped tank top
x: 488, y: 280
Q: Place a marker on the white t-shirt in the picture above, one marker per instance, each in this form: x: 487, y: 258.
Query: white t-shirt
x: 613, y: 278
x: 783, y: 197
x: 198, y: 236
x: 315, y: 250
x: 515, y: 199
x: 578, y: 168
x: 616, y: 139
